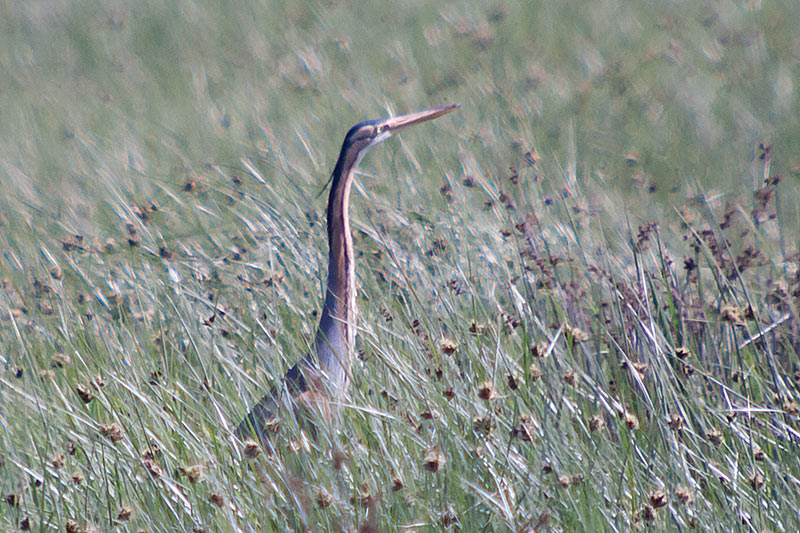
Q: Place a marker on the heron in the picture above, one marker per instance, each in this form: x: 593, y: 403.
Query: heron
x: 324, y: 373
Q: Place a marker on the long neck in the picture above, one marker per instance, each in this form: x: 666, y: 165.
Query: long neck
x: 337, y: 327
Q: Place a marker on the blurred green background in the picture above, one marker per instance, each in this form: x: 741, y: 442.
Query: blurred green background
x: 138, y: 95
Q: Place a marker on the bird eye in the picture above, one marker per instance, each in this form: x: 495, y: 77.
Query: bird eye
x: 379, y: 129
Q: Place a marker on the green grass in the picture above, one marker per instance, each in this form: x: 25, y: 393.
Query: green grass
x: 591, y: 236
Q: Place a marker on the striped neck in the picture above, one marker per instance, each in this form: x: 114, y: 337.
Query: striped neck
x: 337, y: 327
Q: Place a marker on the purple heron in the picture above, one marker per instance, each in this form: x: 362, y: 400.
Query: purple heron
x: 325, y: 372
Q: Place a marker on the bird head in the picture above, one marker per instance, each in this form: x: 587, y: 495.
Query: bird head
x: 367, y: 134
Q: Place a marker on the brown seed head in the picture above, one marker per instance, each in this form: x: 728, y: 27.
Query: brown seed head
x: 57, y: 461
x: 731, y: 314
x: 631, y: 421
x: 193, y: 473
x: 448, y: 346
x: 433, y: 460
x: 641, y: 369
x: 112, y: 432
x: 153, y: 468
x: 366, y: 499
x: 84, y: 393
x: 60, y: 360
x: 714, y: 437
x: 648, y: 513
x: 339, y: 459
x: 538, y: 351
x: 577, y: 334
x: 449, y: 518
x: 596, y: 423
x: 757, y: 480
x: 397, y: 483
x: 684, y: 495
x: 251, y: 449
x: 513, y: 383
x: 486, y: 391
x: 477, y: 329
x: 323, y: 499
x: 658, y: 499
x: 483, y: 425
x: 72, y: 243
x: 525, y: 431
x: 429, y: 415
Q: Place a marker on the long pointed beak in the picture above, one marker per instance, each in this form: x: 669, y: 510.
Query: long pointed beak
x: 404, y: 121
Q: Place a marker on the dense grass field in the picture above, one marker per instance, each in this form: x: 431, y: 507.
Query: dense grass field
x: 579, y: 294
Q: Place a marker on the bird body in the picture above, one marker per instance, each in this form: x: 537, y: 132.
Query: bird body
x: 325, y: 372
